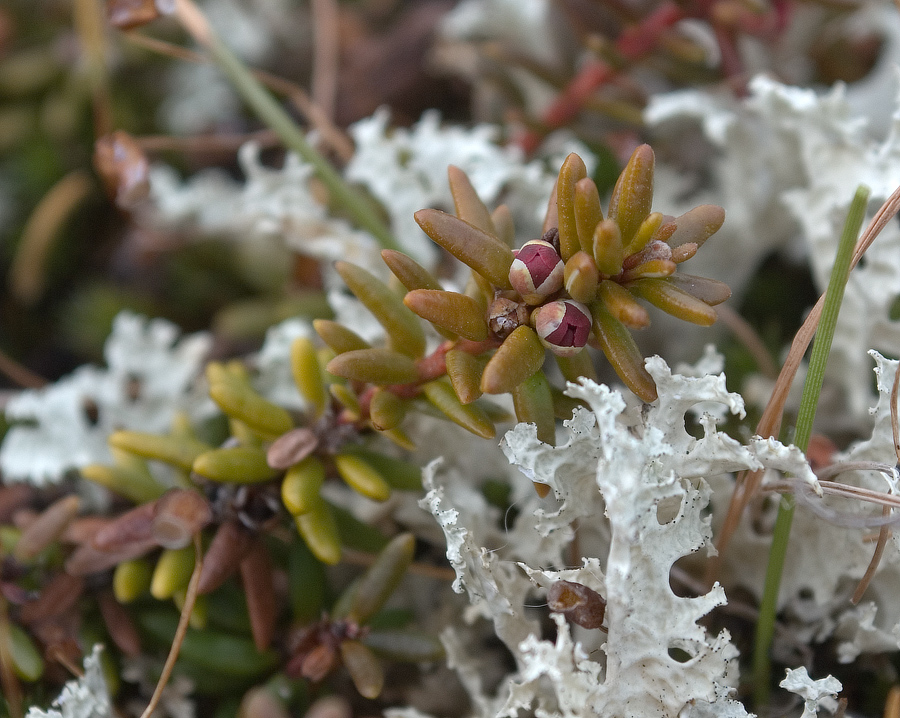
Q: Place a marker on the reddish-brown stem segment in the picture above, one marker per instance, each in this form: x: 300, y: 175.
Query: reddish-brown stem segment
x: 434, y: 365
x: 570, y: 101
x: 640, y: 40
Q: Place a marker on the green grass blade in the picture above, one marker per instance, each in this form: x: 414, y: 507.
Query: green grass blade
x: 272, y: 114
x: 765, y: 628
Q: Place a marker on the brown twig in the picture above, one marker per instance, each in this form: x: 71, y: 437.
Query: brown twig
x: 569, y: 102
x: 873, y: 564
x: 885, y: 531
x: 326, y: 55
x: 162, y: 47
x: 895, y: 423
x: 60, y: 657
x: 842, y: 467
x: 183, y: 621
x: 21, y: 375
x: 845, y: 491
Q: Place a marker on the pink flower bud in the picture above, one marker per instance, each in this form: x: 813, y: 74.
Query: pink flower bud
x: 563, y: 326
x: 537, y: 271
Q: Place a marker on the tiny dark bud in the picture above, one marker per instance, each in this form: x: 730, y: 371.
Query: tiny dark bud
x: 551, y: 236
x: 504, y: 315
x: 578, y: 603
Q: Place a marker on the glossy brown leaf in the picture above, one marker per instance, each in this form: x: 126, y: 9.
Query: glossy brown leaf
x: 229, y: 546
x: 468, y: 204
x: 457, y: 313
x: 259, y: 589
x: 483, y: 252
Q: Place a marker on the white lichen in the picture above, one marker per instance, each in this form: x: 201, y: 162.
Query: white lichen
x: 149, y: 377
x: 814, y: 693
x: 271, y: 205
x: 87, y: 697
x: 648, y: 476
x: 788, y: 163
x: 405, y: 169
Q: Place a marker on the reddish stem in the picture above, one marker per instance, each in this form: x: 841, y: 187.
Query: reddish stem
x: 430, y: 368
x: 731, y: 63
x: 434, y: 365
x: 569, y: 102
x: 783, y: 11
x: 633, y: 44
x: 640, y: 40
x: 365, y: 399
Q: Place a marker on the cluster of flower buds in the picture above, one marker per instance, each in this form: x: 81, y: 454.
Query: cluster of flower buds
x: 578, y: 285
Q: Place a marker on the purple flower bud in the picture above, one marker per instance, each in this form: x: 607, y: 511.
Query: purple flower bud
x: 563, y: 326
x: 537, y: 271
